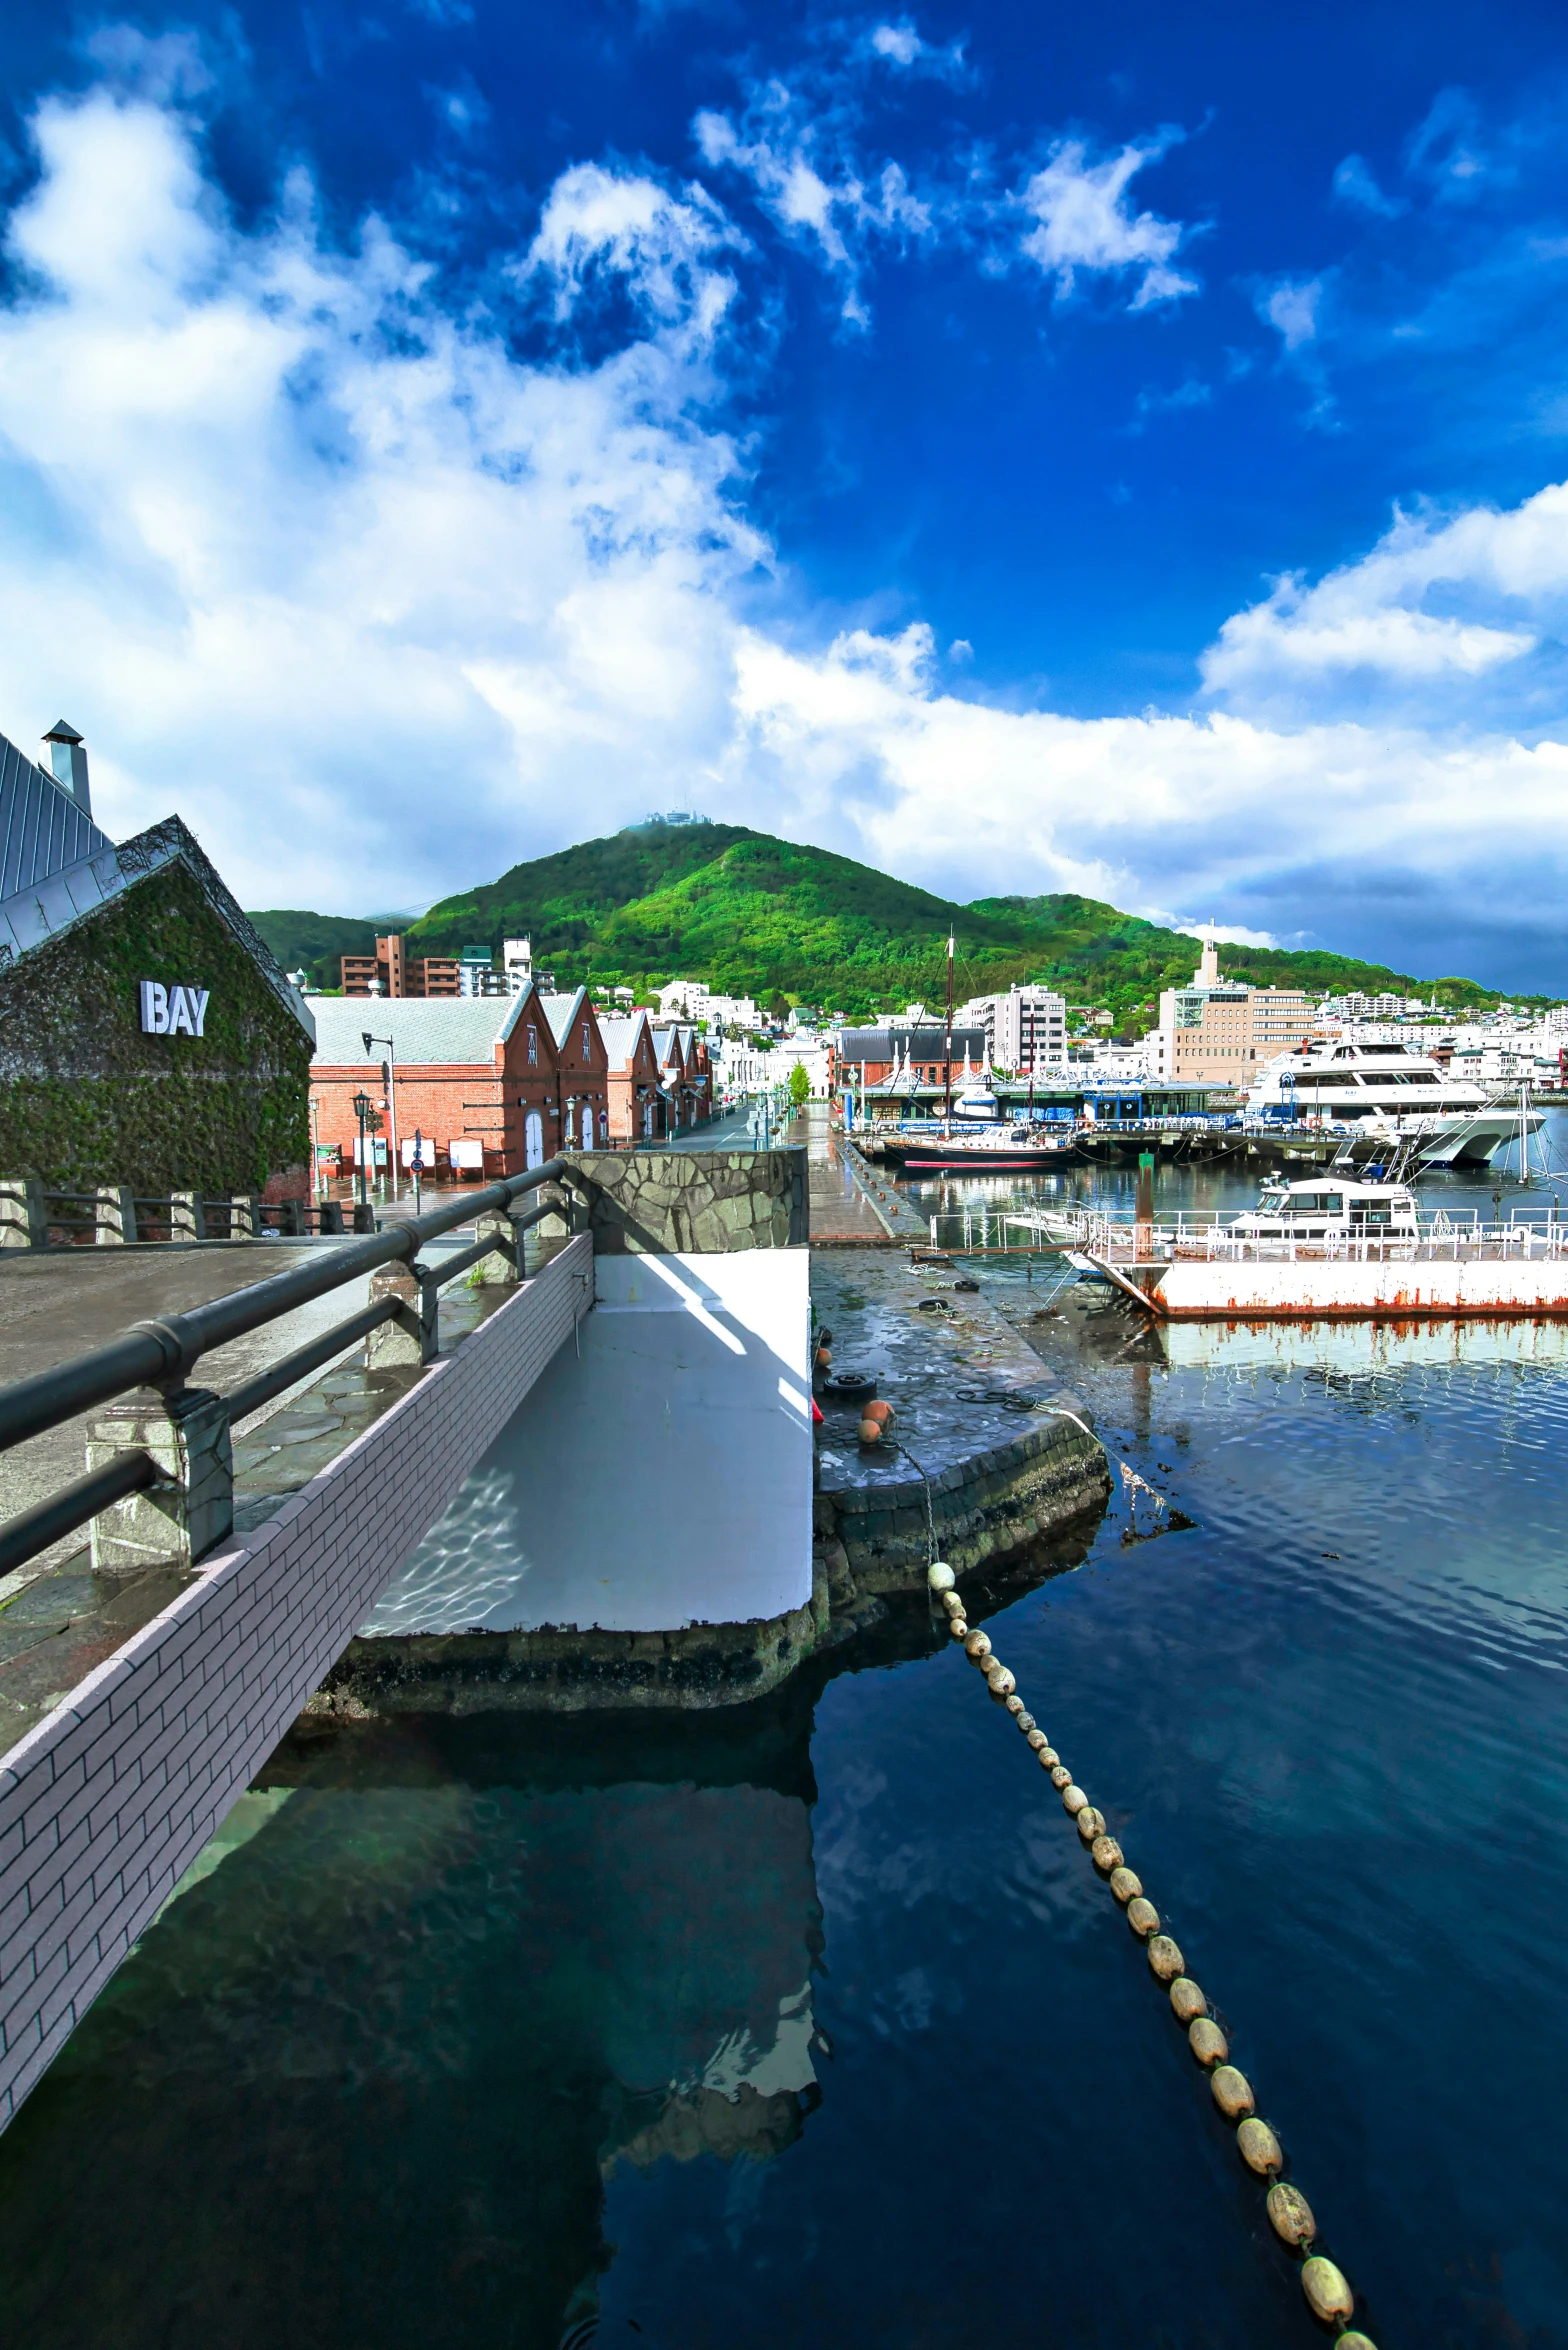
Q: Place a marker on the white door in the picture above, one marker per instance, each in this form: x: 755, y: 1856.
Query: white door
x: 587, y: 1126
x: 533, y: 1129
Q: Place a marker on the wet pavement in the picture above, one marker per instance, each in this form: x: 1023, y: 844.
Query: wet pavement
x: 58, y: 1620
x: 963, y: 1382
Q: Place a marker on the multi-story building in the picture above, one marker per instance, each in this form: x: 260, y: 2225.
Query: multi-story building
x: 392, y: 972
x: 1026, y: 1030
x: 1221, y: 1031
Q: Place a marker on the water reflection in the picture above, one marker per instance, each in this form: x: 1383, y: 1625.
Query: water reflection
x: 368, y: 2075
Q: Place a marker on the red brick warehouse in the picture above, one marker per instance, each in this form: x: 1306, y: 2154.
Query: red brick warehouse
x: 481, y: 1079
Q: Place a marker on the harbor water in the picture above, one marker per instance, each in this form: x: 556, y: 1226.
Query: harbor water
x: 810, y: 2022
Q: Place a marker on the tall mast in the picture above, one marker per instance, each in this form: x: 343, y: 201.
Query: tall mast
x: 947, y: 1062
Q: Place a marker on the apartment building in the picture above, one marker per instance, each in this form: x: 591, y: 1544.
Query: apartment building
x: 1222, y: 1032
x: 392, y: 972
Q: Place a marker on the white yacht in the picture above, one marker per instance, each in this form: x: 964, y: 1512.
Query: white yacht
x: 1330, y: 1208
x: 1395, y: 1091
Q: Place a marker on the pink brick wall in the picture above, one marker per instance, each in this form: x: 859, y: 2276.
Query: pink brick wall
x: 106, y: 1803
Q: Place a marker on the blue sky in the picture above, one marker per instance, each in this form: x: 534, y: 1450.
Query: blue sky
x: 1028, y: 449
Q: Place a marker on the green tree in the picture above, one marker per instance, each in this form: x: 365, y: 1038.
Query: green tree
x: 799, y: 1085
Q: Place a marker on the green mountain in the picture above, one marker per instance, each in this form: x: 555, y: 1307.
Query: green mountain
x: 765, y: 917
x: 313, y: 942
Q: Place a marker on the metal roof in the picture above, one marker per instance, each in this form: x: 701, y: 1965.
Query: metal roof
x: 620, y: 1038
x: 440, y: 1029
x: 560, y: 1010
x: 42, y: 830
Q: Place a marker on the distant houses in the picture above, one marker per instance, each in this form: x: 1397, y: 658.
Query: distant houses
x: 489, y: 1085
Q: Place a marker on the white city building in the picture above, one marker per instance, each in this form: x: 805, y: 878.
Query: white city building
x: 1025, y: 1030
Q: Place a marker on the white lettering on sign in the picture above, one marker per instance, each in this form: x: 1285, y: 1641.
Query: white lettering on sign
x: 173, y: 1011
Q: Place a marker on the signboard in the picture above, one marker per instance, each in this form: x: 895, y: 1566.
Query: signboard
x: 173, y: 1011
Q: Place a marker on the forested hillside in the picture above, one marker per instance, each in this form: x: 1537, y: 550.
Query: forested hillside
x: 765, y: 917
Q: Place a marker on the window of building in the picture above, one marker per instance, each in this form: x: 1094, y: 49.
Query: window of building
x: 533, y: 1046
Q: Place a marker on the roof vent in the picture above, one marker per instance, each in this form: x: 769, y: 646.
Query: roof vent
x: 65, y: 756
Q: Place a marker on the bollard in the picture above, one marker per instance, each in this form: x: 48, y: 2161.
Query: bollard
x: 114, y: 1214
x: 174, y: 1523
x: 187, y: 1216
x: 24, y: 1219
x: 414, y: 1338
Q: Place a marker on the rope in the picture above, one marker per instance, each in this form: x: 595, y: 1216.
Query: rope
x: 1328, y: 2293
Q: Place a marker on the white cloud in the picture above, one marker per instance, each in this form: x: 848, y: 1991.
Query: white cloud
x: 1219, y: 812
x: 804, y: 181
x: 1293, y: 306
x: 1438, y: 599
x: 901, y: 46
x: 381, y: 609
x: 1083, y: 222
x: 367, y: 600
x: 662, y: 247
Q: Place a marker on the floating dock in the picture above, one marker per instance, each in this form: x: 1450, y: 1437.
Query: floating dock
x: 1183, y: 1272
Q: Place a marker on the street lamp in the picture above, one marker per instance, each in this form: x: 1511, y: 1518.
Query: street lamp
x: 362, y: 1112
x: 391, y: 1075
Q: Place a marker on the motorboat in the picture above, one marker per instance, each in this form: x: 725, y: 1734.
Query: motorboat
x: 1331, y: 1207
x: 1394, y: 1093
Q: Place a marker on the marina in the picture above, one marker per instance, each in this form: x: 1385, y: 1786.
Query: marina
x: 635, y: 2029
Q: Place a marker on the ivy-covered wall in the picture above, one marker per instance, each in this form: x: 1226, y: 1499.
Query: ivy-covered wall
x: 86, y: 1098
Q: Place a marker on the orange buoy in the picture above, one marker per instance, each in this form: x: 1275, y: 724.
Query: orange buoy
x: 870, y: 1432
x: 877, y: 1410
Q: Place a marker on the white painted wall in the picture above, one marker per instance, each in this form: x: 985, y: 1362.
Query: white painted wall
x: 660, y: 1477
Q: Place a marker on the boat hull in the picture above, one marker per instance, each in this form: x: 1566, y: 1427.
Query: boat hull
x: 1334, y: 1290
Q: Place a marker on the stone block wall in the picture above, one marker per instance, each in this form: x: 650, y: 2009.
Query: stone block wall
x: 107, y: 1802
x: 678, y: 1203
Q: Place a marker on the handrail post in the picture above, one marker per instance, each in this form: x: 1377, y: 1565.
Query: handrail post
x: 175, y: 1521
x: 187, y: 1216
x: 242, y: 1216
x: 24, y: 1217
x: 414, y: 1337
x: 503, y: 1267
x: 114, y: 1214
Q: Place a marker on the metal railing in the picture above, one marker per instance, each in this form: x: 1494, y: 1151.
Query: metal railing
x: 162, y: 1354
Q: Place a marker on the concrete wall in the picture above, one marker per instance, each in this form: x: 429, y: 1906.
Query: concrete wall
x: 659, y: 1477
x: 105, y: 1804
x: 713, y: 1201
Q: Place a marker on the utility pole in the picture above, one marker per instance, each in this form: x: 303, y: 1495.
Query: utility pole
x: 947, y: 1064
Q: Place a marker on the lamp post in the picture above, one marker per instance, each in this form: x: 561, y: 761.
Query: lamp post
x: 418, y: 1165
x: 391, y: 1074
x: 362, y: 1112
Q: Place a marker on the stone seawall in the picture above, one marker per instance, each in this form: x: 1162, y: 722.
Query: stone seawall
x: 673, y: 1203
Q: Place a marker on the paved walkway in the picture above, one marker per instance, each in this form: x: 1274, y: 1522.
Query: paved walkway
x: 58, y: 1620
x: 841, y: 1215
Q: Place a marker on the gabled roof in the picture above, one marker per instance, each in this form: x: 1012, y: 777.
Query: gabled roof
x: 620, y: 1038
x: 56, y: 901
x: 561, y: 1011
x: 464, y: 1030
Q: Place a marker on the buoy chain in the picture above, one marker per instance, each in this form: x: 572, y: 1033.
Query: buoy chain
x: 1328, y: 2292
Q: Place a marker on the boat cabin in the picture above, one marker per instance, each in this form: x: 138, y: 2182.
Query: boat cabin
x: 1329, y: 1207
